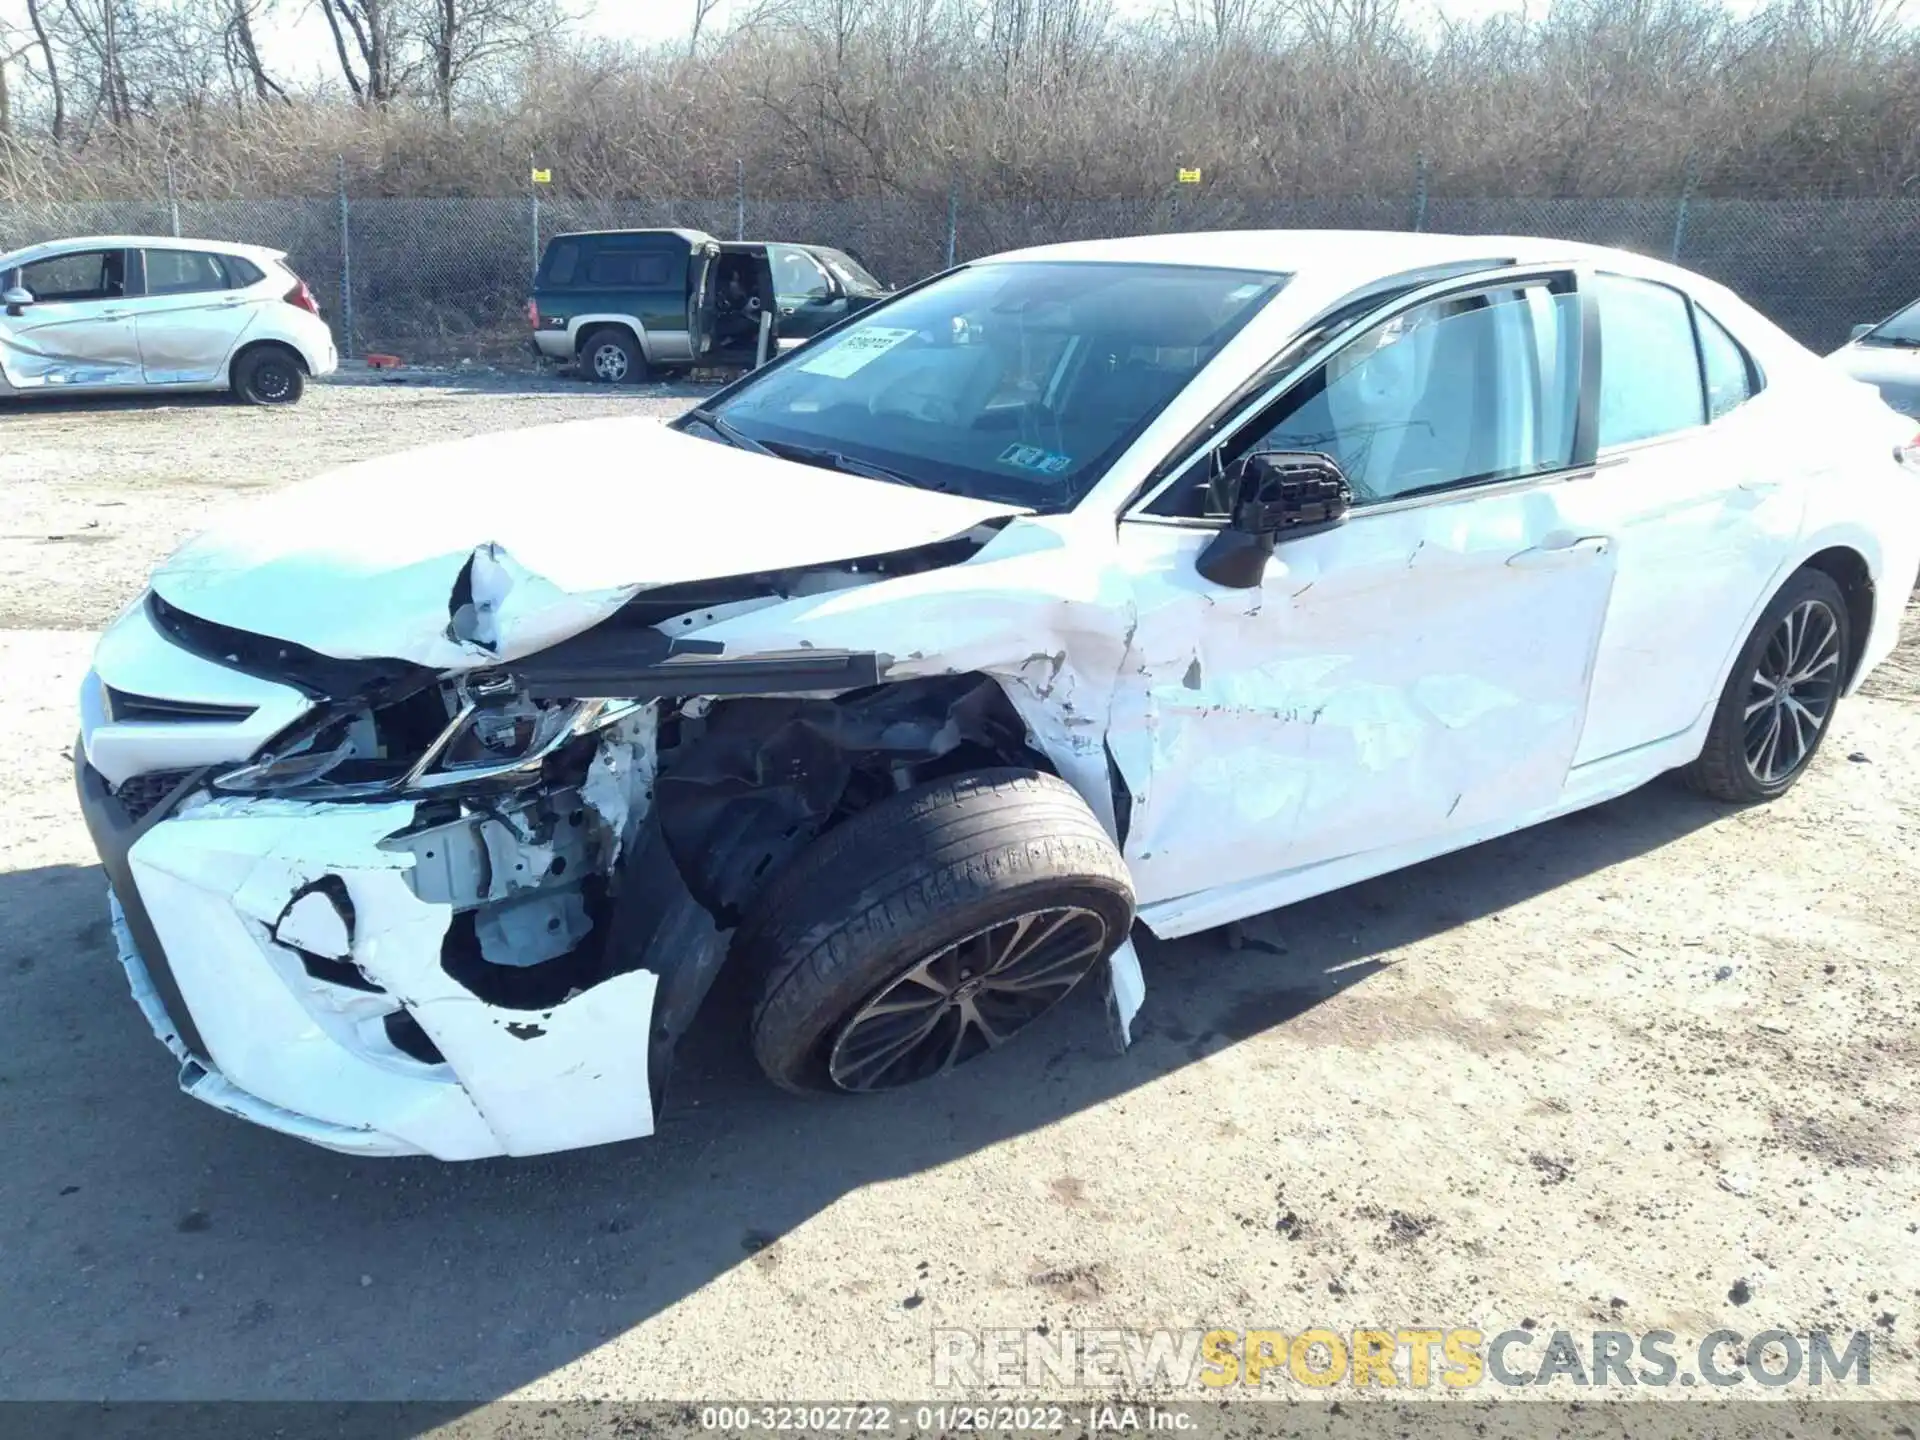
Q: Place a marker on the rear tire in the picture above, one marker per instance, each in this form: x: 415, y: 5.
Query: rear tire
x: 879, y: 947
x: 611, y: 356
x: 1779, y: 701
x: 269, y: 375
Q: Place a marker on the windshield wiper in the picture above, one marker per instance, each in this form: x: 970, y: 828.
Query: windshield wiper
x: 728, y: 432
x: 835, y: 460
x: 1895, y: 342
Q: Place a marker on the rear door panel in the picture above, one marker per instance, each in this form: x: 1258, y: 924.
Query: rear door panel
x: 185, y: 337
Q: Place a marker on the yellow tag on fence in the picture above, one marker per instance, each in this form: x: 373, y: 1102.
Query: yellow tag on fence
x: 1189, y: 177
x: 545, y: 177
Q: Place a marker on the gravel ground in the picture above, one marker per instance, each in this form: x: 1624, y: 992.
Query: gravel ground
x: 97, y: 494
x: 1651, y: 1066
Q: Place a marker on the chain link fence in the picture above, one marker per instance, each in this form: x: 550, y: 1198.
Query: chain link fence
x: 447, y: 279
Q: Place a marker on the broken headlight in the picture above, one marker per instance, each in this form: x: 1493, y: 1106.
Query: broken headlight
x: 479, y: 731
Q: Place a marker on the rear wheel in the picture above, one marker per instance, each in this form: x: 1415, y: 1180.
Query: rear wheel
x: 1780, y: 699
x: 929, y: 929
x: 612, y: 357
x: 269, y: 375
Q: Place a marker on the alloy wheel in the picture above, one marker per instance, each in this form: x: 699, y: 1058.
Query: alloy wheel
x: 1792, y: 692
x: 969, y: 998
x: 610, y: 363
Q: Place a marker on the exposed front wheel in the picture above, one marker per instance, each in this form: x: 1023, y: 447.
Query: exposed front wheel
x: 929, y: 929
x: 1780, y: 699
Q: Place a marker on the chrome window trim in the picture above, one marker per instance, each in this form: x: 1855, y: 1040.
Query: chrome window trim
x: 1466, y: 490
x: 1467, y: 284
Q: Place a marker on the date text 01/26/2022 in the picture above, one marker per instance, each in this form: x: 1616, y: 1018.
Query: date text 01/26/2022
x: 940, y: 1418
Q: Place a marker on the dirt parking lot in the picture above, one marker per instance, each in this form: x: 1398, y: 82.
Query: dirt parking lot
x: 1655, y: 1066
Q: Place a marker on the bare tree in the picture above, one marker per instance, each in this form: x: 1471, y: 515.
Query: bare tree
x: 463, y: 38
x: 10, y: 51
x: 59, y: 94
x: 242, y: 49
x: 99, y: 26
x: 702, y: 9
x: 364, y: 32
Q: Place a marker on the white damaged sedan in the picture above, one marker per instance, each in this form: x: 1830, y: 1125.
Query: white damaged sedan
x: 1169, y: 579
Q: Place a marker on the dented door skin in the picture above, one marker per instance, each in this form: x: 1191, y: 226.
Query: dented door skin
x: 1387, y: 683
x: 1419, y: 672
x: 74, y: 339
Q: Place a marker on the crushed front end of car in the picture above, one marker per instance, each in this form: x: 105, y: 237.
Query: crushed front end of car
x: 465, y: 899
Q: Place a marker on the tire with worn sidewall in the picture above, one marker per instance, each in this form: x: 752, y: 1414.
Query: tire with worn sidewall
x: 903, y: 879
x: 1721, y: 770
x: 246, y: 376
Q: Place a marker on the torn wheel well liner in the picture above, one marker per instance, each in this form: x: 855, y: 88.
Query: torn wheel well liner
x: 766, y: 777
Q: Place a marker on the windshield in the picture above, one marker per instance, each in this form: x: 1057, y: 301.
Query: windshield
x: 1901, y: 329
x: 852, y: 273
x: 1011, y: 382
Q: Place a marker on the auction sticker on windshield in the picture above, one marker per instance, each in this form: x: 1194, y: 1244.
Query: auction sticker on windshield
x: 856, y: 351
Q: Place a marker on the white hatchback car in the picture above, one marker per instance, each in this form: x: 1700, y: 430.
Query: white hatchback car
x: 139, y: 312
x: 1173, y: 578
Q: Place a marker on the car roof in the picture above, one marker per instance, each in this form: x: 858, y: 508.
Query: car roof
x: 46, y: 248
x: 1331, y: 254
x: 692, y: 237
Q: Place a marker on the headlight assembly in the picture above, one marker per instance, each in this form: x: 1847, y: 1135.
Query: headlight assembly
x: 497, y: 737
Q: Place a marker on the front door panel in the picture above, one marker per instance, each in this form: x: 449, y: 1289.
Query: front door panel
x: 70, y: 345
x: 1418, y: 671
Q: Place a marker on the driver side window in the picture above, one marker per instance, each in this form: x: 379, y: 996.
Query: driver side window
x: 1464, y: 390
x: 82, y: 275
x: 797, y: 273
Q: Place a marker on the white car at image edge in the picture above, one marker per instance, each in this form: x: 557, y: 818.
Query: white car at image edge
x: 131, y: 313
x: 1163, y: 580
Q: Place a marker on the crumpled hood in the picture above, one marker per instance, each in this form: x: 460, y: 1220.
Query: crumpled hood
x: 547, y: 530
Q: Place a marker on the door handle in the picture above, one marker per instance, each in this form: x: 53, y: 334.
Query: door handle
x: 1759, y: 487
x: 1571, y: 552
x: 114, y: 314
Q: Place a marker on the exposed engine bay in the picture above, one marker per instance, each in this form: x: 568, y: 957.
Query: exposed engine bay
x: 579, y: 823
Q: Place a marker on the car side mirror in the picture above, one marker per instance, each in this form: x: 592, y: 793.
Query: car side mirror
x: 16, y: 299
x: 1276, y: 495
x: 1858, y: 331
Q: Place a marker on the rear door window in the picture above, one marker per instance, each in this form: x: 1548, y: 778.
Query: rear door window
x: 1729, y: 373
x: 1649, y: 371
x: 185, y: 272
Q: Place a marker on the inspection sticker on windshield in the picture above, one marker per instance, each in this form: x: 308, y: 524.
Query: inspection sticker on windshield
x: 856, y: 351
x: 1032, y: 457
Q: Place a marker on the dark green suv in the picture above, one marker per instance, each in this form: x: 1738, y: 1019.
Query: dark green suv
x: 625, y: 305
